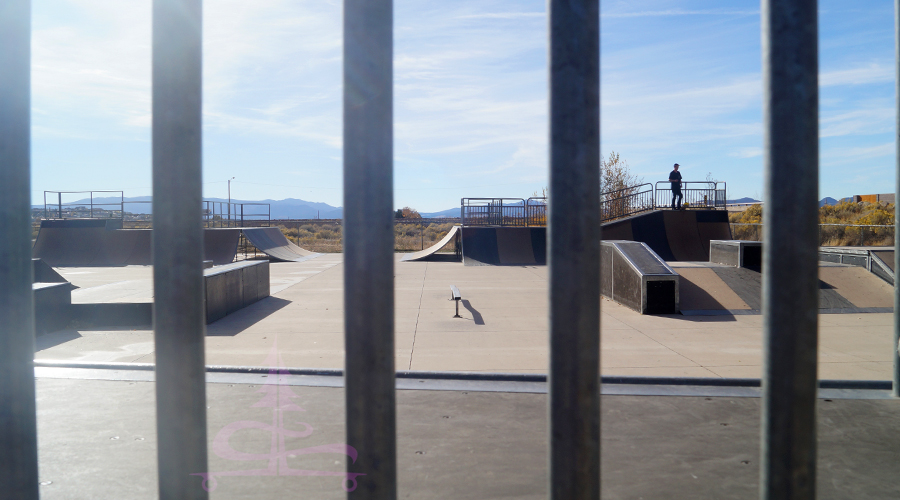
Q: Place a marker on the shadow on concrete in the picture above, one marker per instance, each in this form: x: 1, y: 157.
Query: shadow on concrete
x: 475, y: 314
x: 53, y: 339
x: 239, y: 321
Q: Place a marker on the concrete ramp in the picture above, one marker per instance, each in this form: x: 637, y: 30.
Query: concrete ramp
x: 714, y: 289
x: 682, y: 235
x: 429, y: 253
x: 504, y: 246
x: 271, y: 241
x: 878, y: 260
x: 96, y: 243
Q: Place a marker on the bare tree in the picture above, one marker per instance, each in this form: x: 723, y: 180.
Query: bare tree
x: 617, y: 185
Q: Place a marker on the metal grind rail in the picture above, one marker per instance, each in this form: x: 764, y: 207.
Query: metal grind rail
x: 790, y: 282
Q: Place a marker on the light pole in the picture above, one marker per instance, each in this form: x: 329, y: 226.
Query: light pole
x: 229, y: 201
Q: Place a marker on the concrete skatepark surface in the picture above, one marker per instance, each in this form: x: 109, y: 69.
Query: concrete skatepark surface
x: 503, y: 329
x: 97, y: 439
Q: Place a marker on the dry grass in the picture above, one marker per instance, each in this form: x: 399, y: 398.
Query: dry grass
x: 854, y: 218
x: 326, y: 237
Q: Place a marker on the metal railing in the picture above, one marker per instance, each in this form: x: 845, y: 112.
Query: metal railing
x: 626, y: 201
x: 790, y: 283
x: 631, y: 200
x: 493, y: 212
x: 215, y: 214
x: 225, y: 214
x: 701, y: 195
x: 536, y: 211
x: 81, y: 209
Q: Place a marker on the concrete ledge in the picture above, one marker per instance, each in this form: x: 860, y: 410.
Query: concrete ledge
x: 737, y: 253
x: 234, y: 286
x: 52, y: 305
x: 109, y: 314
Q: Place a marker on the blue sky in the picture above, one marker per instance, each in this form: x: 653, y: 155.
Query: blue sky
x: 680, y: 83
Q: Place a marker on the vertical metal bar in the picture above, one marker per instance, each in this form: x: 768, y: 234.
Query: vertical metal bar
x: 178, y: 313
x: 60, y: 205
x: 369, y: 245
x: 790, y: 262
x: 18, y: 420
x: 574, y: 249
x: 896, y: 347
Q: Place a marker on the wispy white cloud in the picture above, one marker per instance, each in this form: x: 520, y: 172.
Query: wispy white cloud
x: 862, y: 75
x: 503, y: 15
x: 680, y: 12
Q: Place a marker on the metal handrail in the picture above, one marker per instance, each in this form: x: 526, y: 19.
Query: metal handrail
x: 626, y: 201
x: 614, y: 204
x: 91, y: 204
x: 712, y: 196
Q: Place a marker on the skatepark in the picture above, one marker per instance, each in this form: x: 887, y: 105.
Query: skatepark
x: 681, y: 359
x: 476, y: 385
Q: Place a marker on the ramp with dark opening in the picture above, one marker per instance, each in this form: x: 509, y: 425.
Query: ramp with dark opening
x: 272, y: 242
x: 636, y: 277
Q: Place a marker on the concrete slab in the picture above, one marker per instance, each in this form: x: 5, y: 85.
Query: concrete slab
x: 97, y: 439
x: 503, y: 327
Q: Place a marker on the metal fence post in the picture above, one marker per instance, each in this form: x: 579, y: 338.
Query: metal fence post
x: 574, y: 249
x: 896, y: 345
x: 790, y: 260
x: 368, y: 241
x: 179, y: 321
x: 18, y: 420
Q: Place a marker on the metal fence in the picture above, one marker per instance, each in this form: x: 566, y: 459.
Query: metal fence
x: 790, y: 284
x: 56, y: 208
x: 696, y: 194
x: 214, y: 213
x: 626, y: 201
x: 494, y: 212
x: 614, y: 204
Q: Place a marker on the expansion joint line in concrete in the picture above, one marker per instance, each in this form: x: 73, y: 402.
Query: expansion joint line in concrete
x: 418, y: 313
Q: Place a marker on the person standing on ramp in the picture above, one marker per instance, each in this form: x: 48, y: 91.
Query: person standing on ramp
x: 675, y: 179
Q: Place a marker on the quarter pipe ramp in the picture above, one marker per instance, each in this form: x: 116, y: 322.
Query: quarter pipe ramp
x: 682, y: 235
x: 430, y: 252
x: 271, y: 241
